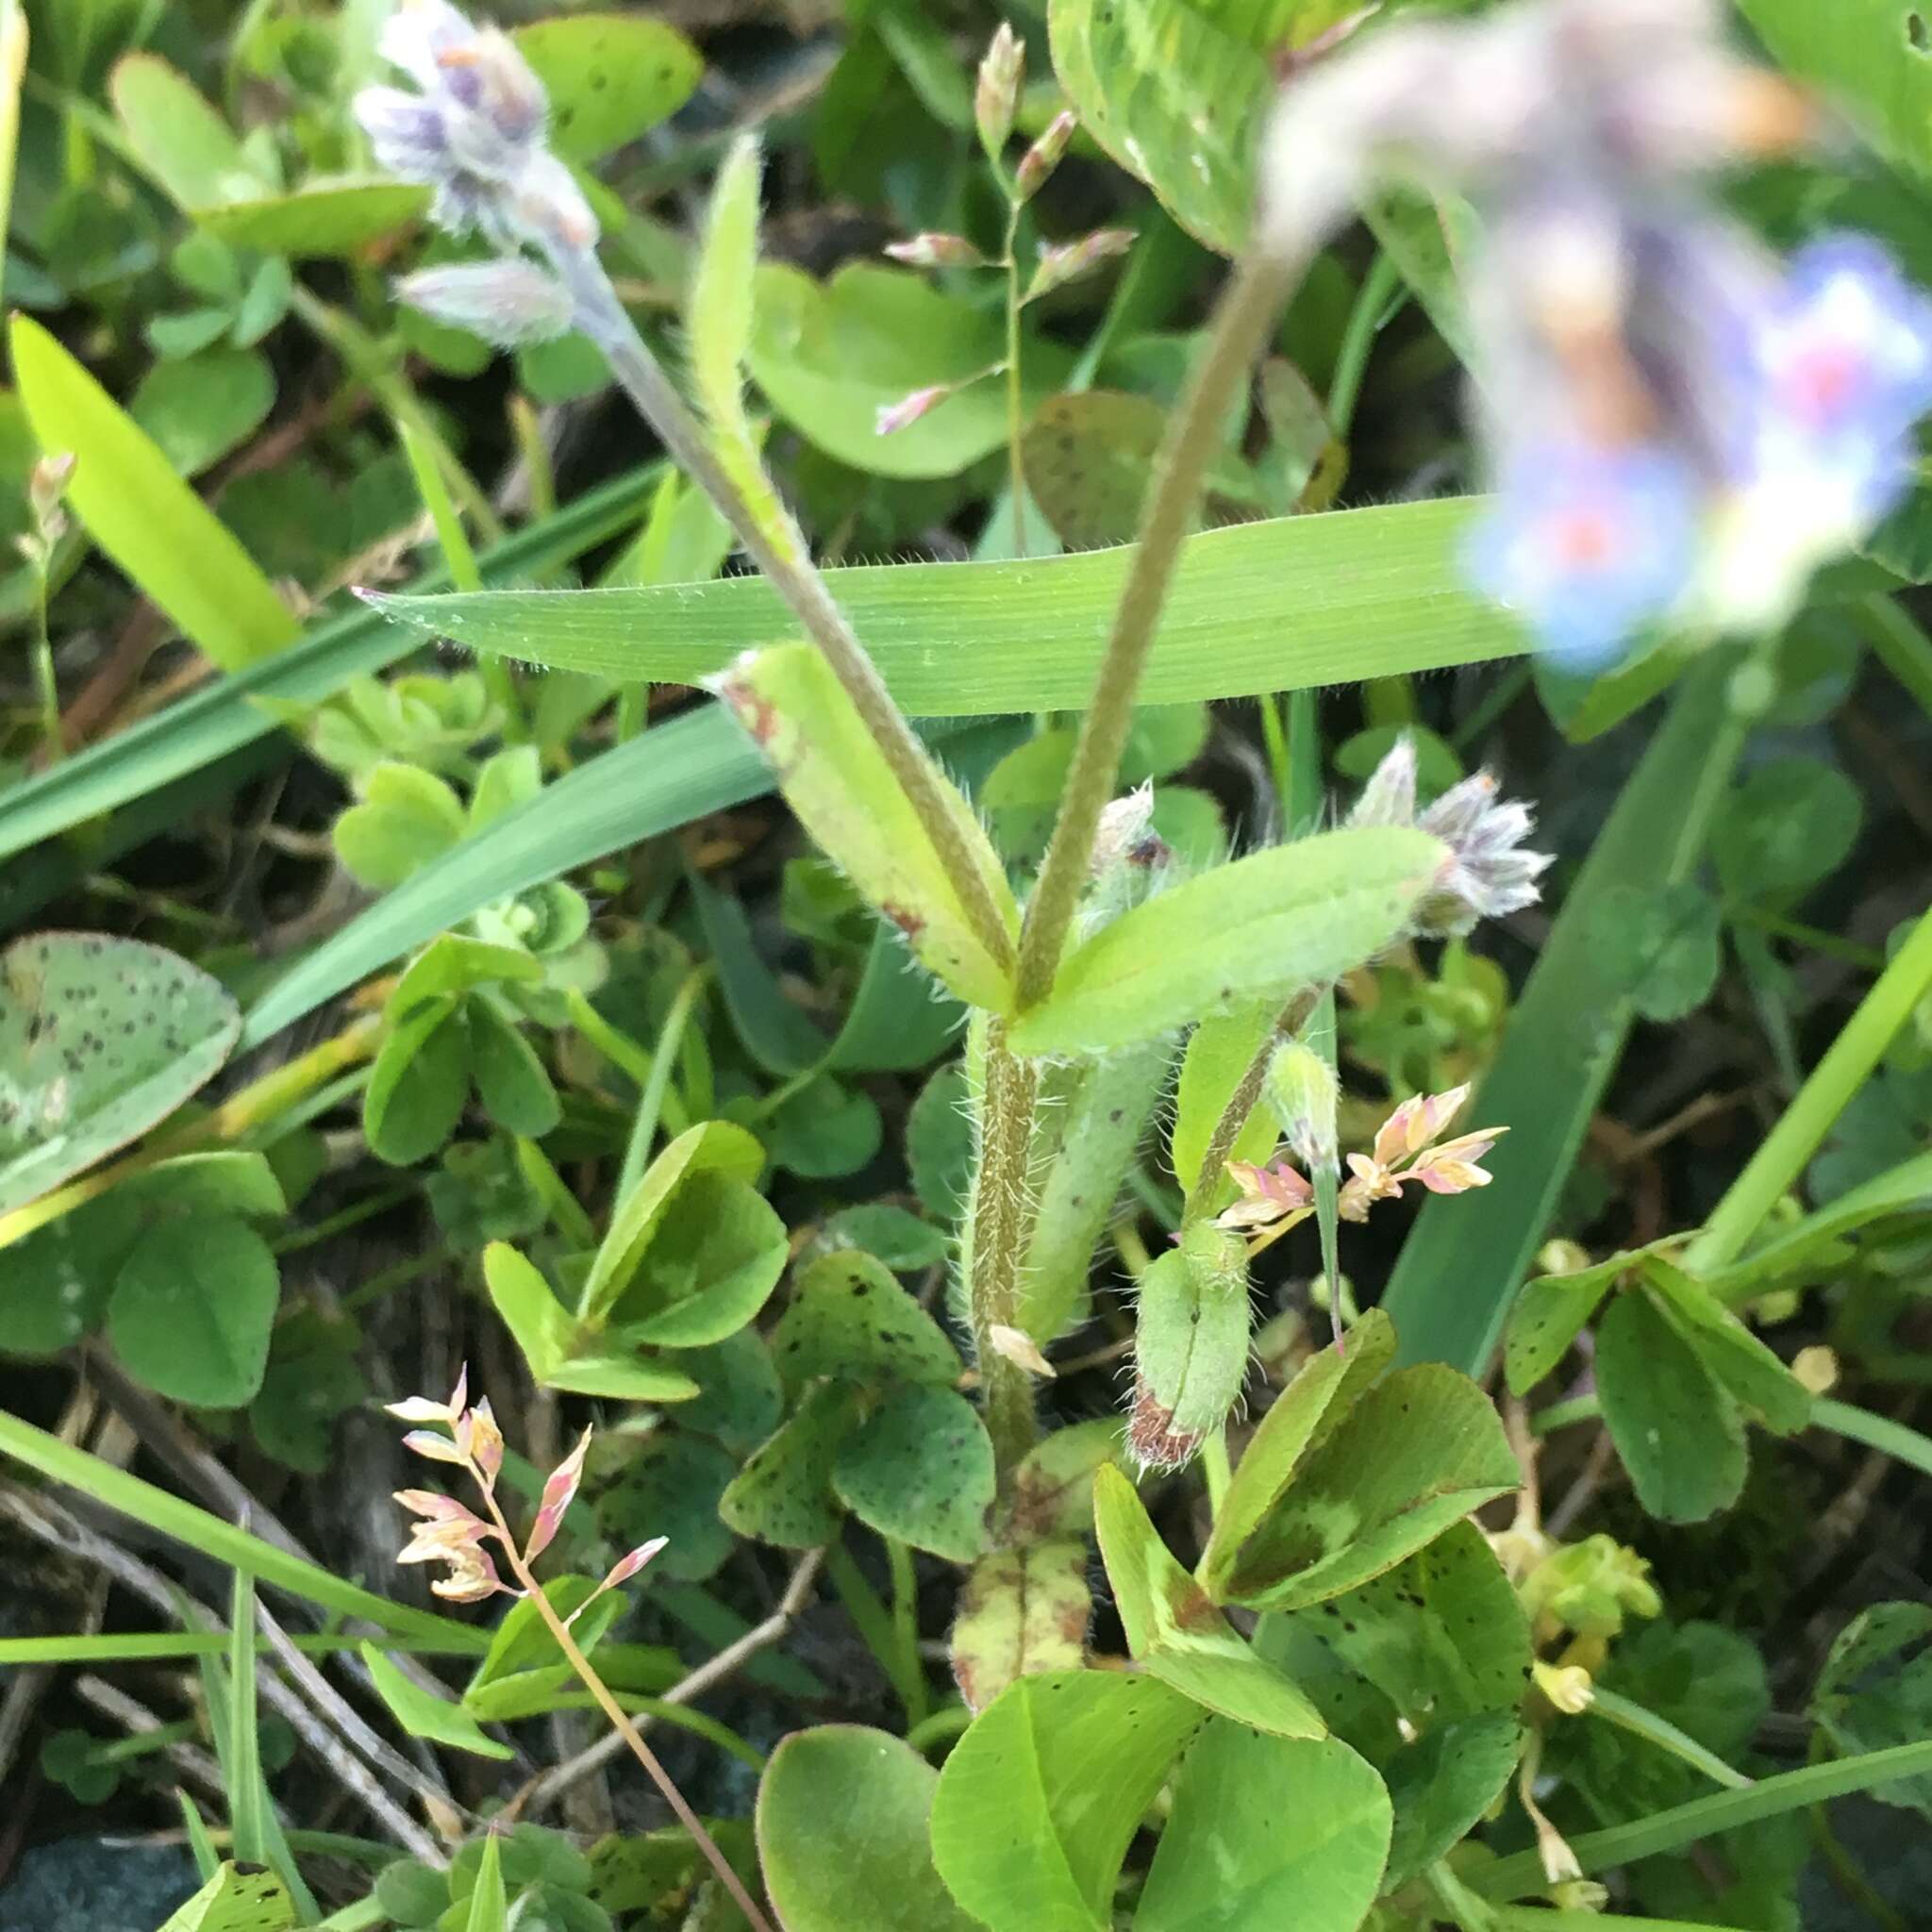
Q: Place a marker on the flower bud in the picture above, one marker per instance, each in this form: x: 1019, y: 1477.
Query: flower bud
x: 46, y: 484
x: 893, y: 417
x: 1303, y: 1091
x: 937, y: 251
x: 509, y: 302
x: 1043, y: 157
x: 1190, y: 1345
x: 1067, y: 261
x: 998, y: 97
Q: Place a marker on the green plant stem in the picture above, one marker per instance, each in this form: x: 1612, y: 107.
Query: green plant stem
x: 1879, y: 1432
x: 13, y: 50
x: 460, y: 560
x: 1365, y: 321
x: 1216, y: 1467
x: 619, y: 1719
x: 1016, y: 404
x: 643, y: 1129
x: 1246, y: 1097
x: 879, y: 1628
x: 170, y: 1646
x: 47, y: 686
x: 1684, y: 1825
x: 905, y: 1630
x: 1900, y: 643
x: 945, y: 1724
x: 1002, y: 1226
x: 1640, y: 1722
x: 1242, y: 322
x: 370, y: 360
x: 1816, y: 1107
x: 773, y: 543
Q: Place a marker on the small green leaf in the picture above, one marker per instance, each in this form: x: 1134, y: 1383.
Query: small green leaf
x: 1416, y: 1454
x: 783, y: 1495
x: 454, y: 963
x: 125, y: 491
x: 1053, y: 1486
x: 177, y: 136
x: 1876, y: 1691
x: 489, y: 1905
x: 1659, y: 947
x: 829, y: 355
x: 835, y: 776
x: 669, y: 1487
x: 237, y: 1899
x: 319, y: 217
x: 1675, y: 1424
x: 1549, y: 1314
x: 192, y: 1310
x: 920, y: 1470
x: 1220, y: 1050
x: 406, y: 818
x: 939, y: 1144
x: 1038, y: 1801
x: 709, y: 1269
x: 824, y: 1131
x: 100, y: 1039
x: 531, y: 1312
x: 1753, y: 1374
x: 1021, y: 1612
x: 424, y: 1714
x: 418, y: 1084
x: 711, y: 1146
x: 1788, y: 825
x: 1268, y: 1831
x: 1296, y: 915
x: 843, y: 1816
x: 894, y: 1235
x: 1865, y: 53
x: 1177, y: 1634
x: 850, y: 1319
x: 200, y: 407
x: 511, y: 1083
x: 1444, y: 1784
x: 1440, y: 1636
x: 1303, y: 1417
x: 610, y: 77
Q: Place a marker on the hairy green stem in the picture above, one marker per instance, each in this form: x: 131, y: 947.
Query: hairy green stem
x: 773, y: 541
x: 1246, y: 313
x: 1002, y: 1225
x: 1015, y: 396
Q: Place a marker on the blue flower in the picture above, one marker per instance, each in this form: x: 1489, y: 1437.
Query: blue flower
x: 1843, y: 359
x: 1589, y: 546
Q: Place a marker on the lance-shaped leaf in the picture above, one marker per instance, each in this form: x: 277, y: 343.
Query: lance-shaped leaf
x: 1768, y: 1390
x: 1220, y: 1050
x: 1177, y: 1634
x: 836, y: 778
x: 1296, y: 915
x: 99, y: 1040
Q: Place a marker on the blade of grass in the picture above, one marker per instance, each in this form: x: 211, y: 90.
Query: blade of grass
x: 1684, y: 1825
x: 140, y: 512
x: 225, y: 1542
x: 1816, y: 1105
x: 1876, y: 1431
x: 166, y: 1646
x: 248, y: 1801
x: 226, y: 715
x: 698, y: 763
x: 1465, y: 1258
x: 12, y: 68
x: 1284, y: 605
x: 1900, y: 644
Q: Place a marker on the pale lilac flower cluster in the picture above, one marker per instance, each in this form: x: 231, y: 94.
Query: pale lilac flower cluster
x: 477, y: 132
x: 1679, y: 427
